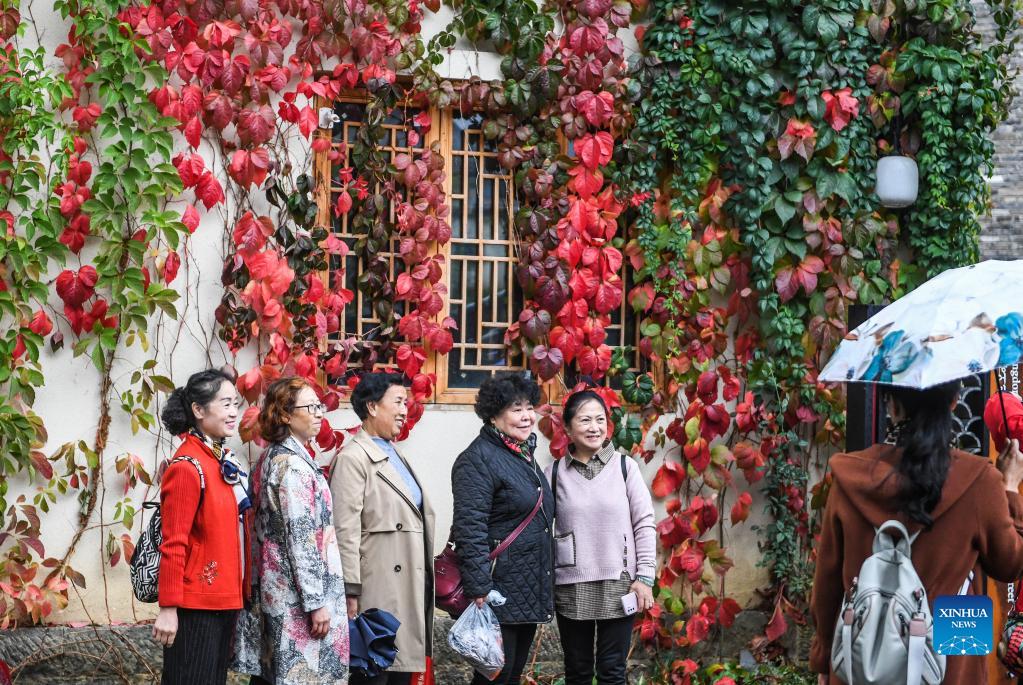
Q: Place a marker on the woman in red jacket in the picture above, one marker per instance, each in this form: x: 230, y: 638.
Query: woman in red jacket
x: 203, y: 496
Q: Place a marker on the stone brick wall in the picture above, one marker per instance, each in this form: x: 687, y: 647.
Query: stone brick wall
x: 1002, y: 236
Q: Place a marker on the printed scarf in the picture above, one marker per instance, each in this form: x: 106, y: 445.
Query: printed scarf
x: 524, y: 448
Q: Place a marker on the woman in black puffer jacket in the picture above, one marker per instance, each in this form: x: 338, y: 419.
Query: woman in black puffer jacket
x: 496, y: 484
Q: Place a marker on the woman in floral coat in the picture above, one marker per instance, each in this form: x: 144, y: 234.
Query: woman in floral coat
x: 296, y: 630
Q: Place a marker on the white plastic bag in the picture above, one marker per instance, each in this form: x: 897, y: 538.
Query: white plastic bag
x: 476, y: 636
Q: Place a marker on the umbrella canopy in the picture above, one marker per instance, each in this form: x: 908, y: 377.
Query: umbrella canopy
x: 371, y: 637
x: 961, y: 322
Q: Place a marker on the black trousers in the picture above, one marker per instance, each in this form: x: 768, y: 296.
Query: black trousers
x: 613, y: 637
x: 518, y: 640
x: 385, y: 678
x: 202, y: 648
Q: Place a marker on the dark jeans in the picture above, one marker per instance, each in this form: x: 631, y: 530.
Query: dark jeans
x: 385, y: 678
x: 613, y: 637
x: 201, y: 649
x: 518, y: 640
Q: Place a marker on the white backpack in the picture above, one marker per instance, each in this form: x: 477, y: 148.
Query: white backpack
x: 885, y: 633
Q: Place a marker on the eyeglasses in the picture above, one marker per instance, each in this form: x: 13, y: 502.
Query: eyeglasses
x: 313, y: 408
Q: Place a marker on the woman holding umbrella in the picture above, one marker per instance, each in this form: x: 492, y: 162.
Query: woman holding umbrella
x: 966, y: 511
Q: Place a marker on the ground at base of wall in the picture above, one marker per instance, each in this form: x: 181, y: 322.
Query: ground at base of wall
x: 127, y: 655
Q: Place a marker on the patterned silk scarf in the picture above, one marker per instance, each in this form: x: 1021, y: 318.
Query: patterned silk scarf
x: 524, y: 448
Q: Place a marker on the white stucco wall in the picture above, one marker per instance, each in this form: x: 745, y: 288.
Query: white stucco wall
x: 69, y: 401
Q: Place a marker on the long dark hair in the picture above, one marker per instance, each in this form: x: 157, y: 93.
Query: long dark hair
x: 201, y: 388
x: 925, y: 436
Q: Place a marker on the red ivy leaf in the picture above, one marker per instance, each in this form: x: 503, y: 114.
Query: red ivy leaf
x: 85, y: 117
x: 307, y: 121
x: 249, y: 168
x: 440, y: 340
x: 193, y: 131
x: 209, y: 190
x: 171, y: 266
x: 597, y: 109
x: 585, y: 182
x: 255, y: 126
x: 840, y: 107
x: 250, y: 233
x: 727, y: 612
x: 74, y: 233
x: 190, y: 218
x: 190, y: 169
x: 410, y: 359
x: 248, y: 429
x: 609, y: 295
x: 75, y: 288
x: 668, y: 479
x: 595, y: 150
x: 697, y: 628
x: 740, y: 510
x: 546, y: 361
x: 40, y: 324
x: 42, y: 464
x: 790, y: 279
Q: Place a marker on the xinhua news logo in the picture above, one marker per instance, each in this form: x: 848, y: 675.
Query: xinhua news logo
x: 963, y: 625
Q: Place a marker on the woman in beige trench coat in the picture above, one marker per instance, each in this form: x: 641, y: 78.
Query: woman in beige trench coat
x: 384, y: 526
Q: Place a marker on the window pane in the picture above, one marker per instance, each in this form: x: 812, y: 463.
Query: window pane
x: 485, y: 299
x: 359, y: 317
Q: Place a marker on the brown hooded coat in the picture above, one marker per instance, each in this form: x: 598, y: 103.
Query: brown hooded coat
x: 976, y: 523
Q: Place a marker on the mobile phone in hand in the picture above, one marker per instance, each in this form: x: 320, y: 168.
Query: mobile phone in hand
x: 630, y: 603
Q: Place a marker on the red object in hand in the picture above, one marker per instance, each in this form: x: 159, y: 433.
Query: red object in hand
x: 996, y: 421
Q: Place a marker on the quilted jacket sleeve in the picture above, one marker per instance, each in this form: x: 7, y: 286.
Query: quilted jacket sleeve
x: 472, y: 484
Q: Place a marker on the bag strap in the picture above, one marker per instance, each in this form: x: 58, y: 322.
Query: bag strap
x: 554, y: 487
x: 625, y: 471
x: 202, y: 476
x: 506, y: 543
x: 917, y: 646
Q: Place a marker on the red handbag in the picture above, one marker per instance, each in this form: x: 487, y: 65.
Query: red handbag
x: 448, y: 576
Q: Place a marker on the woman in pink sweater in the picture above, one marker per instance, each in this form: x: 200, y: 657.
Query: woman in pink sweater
x: 604, y: 545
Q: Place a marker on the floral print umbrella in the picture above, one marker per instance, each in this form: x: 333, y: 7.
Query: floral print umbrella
x: 961, y: 322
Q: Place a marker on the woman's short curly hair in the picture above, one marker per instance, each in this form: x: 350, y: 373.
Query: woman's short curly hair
x: 502, y: 390
x: 278, y: 403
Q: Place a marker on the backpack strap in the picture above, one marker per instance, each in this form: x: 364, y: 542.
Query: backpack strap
x: 847, y: 639
x: 625, y: 470
x: 202, y: 477
x: 917, y: 645
x: 554, y: 488
x: 966, y: 584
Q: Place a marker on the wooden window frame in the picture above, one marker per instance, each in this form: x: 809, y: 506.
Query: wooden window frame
x: 440, y: 132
